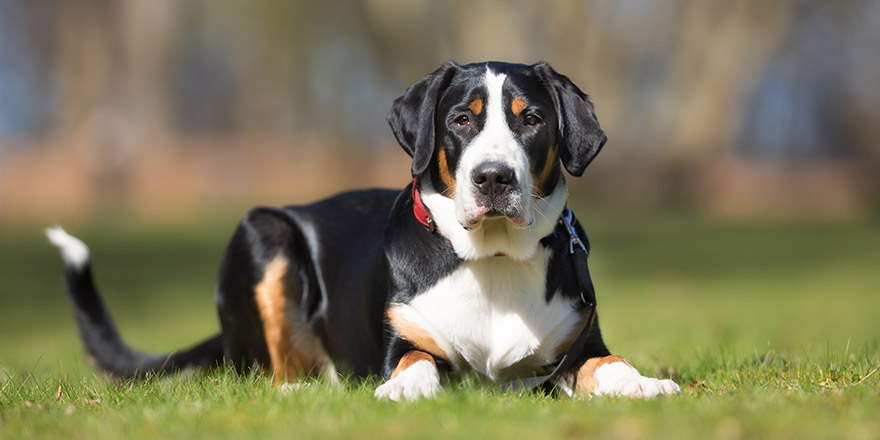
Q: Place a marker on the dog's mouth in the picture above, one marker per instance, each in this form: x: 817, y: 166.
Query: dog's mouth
x: 493, y: 214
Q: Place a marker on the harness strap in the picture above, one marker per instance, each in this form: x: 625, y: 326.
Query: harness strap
x: 579, y: 254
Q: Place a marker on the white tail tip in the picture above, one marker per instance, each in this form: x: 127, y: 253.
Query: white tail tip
x: 74, y: 252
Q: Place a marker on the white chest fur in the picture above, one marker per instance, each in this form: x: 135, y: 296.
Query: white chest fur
x: 491, y: 315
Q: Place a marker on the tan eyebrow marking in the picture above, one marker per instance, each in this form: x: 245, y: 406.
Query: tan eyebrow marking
x: 517, y: 106
x: 476, y: 106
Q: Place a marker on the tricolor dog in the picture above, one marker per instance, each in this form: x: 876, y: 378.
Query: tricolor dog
x: 472, y: 267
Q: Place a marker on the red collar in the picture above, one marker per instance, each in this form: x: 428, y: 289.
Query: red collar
x: 423, y: 215
x: 419, y: 210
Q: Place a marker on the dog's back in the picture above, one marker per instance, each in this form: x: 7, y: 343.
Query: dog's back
x: 333, y: 276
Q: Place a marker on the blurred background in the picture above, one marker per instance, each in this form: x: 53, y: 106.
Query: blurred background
x: 738, y: 194
x: 170, y: 110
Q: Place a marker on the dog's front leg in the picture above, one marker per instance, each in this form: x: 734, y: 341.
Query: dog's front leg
x: 415, y: 377
x: 613, y: 375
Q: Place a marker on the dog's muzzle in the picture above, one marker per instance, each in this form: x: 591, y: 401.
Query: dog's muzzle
x: 496, y: 193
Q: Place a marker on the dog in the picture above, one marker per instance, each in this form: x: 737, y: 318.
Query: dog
x: 471, y: 267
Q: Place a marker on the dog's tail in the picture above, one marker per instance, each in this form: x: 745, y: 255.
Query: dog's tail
x: 102, y: 341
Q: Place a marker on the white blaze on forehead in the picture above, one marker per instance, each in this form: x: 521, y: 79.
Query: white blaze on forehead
x: 495, y: 101
x: 495, y: 143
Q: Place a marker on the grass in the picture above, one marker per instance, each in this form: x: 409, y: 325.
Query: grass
x: 771, y: 329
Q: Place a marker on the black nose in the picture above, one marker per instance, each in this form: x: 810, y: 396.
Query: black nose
x: 493, y: 178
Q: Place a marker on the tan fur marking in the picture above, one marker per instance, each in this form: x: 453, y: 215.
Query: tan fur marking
x: 292, y: 348
x: 517, y: 106
x: 476, y: 106
x: 544, y: 179
x: 410, y: 358
x: 586, y: 375
x: 415, y: 334
x: 445, y: 175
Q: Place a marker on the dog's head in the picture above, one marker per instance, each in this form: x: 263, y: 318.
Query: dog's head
x: 490, y: 137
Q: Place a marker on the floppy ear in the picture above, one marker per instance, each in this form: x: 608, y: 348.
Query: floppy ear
x: 579, y: 137
x: 412, y: 116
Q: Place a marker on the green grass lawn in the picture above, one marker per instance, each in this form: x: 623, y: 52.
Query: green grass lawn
x: 773, y: 330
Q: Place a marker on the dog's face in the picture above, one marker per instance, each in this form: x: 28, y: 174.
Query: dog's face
x: 496, y: 142
x: 492, y: 138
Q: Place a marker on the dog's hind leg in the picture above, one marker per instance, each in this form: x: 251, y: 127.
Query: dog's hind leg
x: 264, y: 296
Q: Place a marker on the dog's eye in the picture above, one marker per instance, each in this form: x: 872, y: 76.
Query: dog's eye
x: 462, y: 120
x: 532, y: 119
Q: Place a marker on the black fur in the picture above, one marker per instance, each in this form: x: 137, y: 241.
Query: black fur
x: 412, y: 114
x: 352, y: 254
x: 105, y: 346
x: 580, y: 137
x: 417, y: 258
x: 562, y: 278
x: 342, y: 281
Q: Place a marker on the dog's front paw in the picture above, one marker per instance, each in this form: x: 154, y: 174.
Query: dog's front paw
x: 419, y: 380
x: 620, y: 379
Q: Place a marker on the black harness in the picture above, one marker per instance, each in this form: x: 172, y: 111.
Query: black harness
x: 579, y: 253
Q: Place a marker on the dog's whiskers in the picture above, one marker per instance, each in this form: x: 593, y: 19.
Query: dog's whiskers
x: 536, y: 192
x: 541, y: 212
x: 448, y: 190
